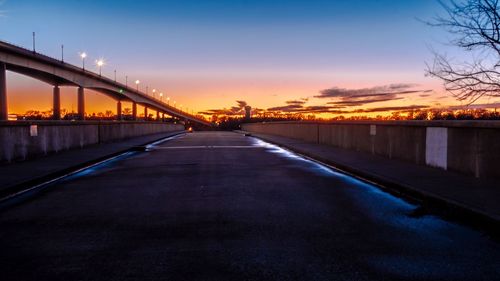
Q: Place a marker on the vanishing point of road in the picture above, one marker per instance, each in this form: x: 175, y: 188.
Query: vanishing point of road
x: 223, y: 206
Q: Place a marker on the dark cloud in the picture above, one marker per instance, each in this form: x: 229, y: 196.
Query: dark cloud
x: 294, y: 108
x: 241, y: 103
x: 475, y: 106
x: 297, y: 102
x: 336, y: 92
x: 319, y: 109
x: 351, y: 99
x: 223, y: 111
x: 363, y: 101
x: 287, y: 108
x: 258, y: 110
x: 391, y: 108
x: 234, y: 110
x: 358, y: 97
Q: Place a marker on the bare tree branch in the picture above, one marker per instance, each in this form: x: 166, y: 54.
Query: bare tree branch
x: 476, y: 25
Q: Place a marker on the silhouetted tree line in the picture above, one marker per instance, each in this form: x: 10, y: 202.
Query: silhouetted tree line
x: 96, y: 116
x: 234, y: 123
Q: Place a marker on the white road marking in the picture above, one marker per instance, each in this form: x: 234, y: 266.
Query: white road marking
x: 206, y: 147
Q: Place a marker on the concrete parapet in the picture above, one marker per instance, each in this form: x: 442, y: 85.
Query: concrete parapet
x: 21, y: 140
x: 468, y: 147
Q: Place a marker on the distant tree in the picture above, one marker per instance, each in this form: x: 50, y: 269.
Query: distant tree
x: 420, y: 115
x: 475, y: 25
x: 396, y: 116
x: 127, y: 111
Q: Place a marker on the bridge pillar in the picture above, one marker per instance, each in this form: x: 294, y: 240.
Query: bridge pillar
x: 145, y: 113
x: 119, y: 110
x: 134, y: 111
x: 4, y: 113
x: 163, y: 116
x: 56, y: 115
x: 157, y: 115
x: 81, y: 103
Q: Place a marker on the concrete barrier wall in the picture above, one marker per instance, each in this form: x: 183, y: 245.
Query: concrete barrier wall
x: 22, y: 140
x: 113, y: 132
x: 469, y: 147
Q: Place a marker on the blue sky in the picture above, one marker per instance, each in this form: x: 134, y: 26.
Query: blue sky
x: 209, y: 53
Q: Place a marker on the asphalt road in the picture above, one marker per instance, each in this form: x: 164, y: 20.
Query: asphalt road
x: 222, y: 206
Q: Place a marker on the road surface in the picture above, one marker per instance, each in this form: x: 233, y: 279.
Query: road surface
x: 222, y: 206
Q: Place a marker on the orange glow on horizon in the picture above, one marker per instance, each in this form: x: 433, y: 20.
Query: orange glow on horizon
x: 25, y: 94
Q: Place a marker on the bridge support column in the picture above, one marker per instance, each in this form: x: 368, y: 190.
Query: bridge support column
x: 119, y: 111
x: 56, y: 114
x: 157, y: 115
x: 134, y: 111
x: 145, y: 113
x: 4, y: 113
x: 163, y: 116
x: 81, y: 103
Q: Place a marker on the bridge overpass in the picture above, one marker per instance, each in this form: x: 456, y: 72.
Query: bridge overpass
x: 58, y: 73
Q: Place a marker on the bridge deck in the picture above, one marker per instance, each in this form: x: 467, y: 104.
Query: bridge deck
x: 221, y: 206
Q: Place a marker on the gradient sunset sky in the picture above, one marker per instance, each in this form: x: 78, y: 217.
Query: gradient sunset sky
x: 326, y: 55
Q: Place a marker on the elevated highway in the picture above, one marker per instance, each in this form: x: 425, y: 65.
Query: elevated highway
x: 58, y: 73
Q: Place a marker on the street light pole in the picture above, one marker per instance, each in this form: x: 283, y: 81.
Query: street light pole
x: 83, y: 56
x: 62, y: 53
x: 100, y: 63
x: 34, y: 50
x: 137, y: 84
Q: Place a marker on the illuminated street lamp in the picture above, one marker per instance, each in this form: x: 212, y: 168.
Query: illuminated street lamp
x: 137, y: 82
x: 100, y: 63
x: 154, y: 91
x: 161, y: 96
x: 83, y: 56
x: 168, y: 100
